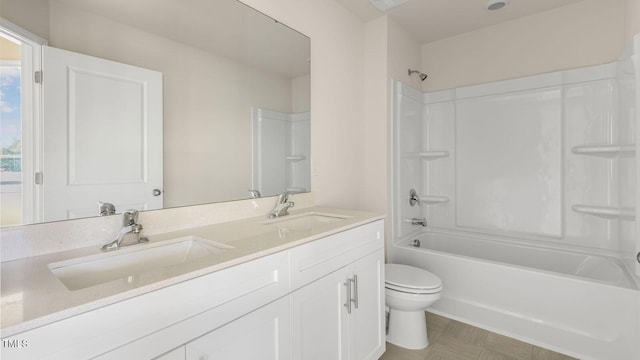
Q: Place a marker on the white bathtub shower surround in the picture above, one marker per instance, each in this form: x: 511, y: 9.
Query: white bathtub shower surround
x: 281, y: 151
x: 550, y: 158
x: 516, y: 157
x: 530, y: 191
x: 585, y: 318
x: 629, y: 110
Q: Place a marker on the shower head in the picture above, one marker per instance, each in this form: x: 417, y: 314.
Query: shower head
x: 422, y: 76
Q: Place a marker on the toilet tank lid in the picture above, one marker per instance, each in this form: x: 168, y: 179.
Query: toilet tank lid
x: 410, y: 277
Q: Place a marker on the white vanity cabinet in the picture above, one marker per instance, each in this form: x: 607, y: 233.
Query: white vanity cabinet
x: 262, y: 334
x: 338, y: 313
x: 287, y: 305
x: 340, y: 316
x: 154, y: 323
x: 175, y: 354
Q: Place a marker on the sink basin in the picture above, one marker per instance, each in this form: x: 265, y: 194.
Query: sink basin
x: 88, y: 271
x: 305, y: 221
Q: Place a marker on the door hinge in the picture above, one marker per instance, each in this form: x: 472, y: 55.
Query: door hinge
x: 38, y: 178
x: 38, y: 77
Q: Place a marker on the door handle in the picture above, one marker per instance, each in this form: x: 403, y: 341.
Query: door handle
x: 156, y: 192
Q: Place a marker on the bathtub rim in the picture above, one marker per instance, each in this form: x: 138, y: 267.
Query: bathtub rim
x: 633, y: 283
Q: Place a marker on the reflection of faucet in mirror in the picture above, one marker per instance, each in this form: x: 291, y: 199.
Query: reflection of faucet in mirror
x: 129, y: 226
x: 282, y: 206
x: 105, y: 208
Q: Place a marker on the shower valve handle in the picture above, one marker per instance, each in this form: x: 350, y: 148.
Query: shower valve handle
x: 414, y: 198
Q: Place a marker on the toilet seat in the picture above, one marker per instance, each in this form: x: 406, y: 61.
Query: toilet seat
x: 412, y: 280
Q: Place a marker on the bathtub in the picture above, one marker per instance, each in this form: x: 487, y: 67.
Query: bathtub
x: 582, y: 305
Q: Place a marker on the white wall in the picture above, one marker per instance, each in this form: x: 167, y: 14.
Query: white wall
x: 404, y: 54
x: 376, y: 111
x: 32, y: 15
x: 390, y: 52
x: 632, y: 18
x: 585, y: 33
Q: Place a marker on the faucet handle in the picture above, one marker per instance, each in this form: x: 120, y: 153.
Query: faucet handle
x: 129, y: 217
x: 284, y: 196
x: 105, y: 208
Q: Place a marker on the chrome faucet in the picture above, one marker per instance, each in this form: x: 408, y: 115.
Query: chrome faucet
x: 282, y: 206
x: 129, y: 226
x: 422, y: 221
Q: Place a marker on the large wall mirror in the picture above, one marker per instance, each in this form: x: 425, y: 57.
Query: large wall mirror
x: 152, y: 104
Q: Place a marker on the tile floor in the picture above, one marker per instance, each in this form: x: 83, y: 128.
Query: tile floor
x: 452, y: 340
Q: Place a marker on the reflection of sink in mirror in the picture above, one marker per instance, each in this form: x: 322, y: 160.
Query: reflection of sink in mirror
x: 88, y: 271
x: 305, y: 221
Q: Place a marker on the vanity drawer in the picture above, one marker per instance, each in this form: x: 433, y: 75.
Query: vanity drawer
x: 321, y: 257
x: 154, y: 323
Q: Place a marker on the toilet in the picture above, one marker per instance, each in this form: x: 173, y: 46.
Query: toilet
x: 408, y: 292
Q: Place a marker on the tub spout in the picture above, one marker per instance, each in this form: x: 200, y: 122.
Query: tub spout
x: 416, y: 221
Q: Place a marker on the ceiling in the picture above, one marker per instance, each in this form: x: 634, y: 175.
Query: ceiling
x: 431, y: 20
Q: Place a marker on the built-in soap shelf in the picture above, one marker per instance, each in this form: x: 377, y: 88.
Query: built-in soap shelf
x: 605, y: 150
x: 426, y: 155
x: 432, y: 155
x: 296, y: 189
x: 608, y: 212
x: 432, y: 199
x: 296, y: 158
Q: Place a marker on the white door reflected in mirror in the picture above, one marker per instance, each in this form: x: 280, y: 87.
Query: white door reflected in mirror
x: 102, y: 135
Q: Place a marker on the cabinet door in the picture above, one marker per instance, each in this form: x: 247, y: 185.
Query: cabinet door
x: 262, y: 334
x: 367, y: 337
x: 319, y: 325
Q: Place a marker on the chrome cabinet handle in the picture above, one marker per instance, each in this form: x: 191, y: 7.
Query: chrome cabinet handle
x: 348, y: 303
x: 156, y: 192
x: 355, y: 290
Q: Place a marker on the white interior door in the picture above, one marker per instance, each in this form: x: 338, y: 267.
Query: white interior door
x: 102, y: 135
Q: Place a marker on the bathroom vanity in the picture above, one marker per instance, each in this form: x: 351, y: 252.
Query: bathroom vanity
x: 308, y: 285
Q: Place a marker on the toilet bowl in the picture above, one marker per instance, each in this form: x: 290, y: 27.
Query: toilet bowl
x: 408, y: 292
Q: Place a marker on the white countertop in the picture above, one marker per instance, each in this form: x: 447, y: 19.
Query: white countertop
x: 31, y: 296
